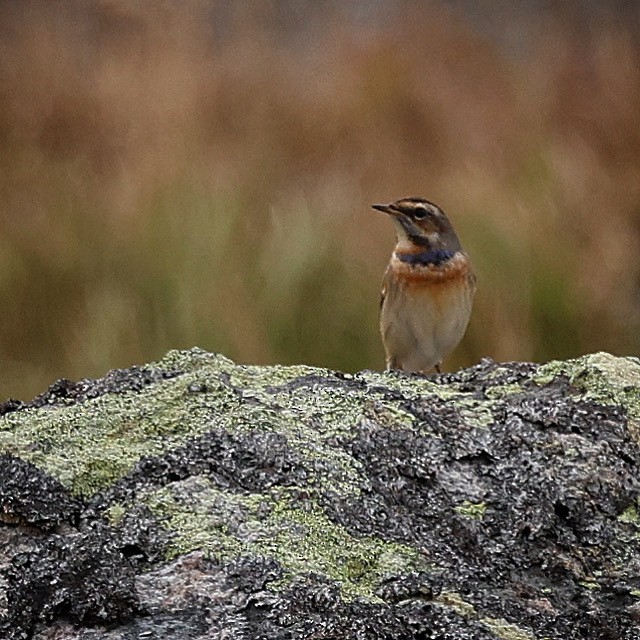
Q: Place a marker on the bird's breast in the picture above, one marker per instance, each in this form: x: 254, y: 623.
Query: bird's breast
x: 435, y: 275
x: 426, y: 309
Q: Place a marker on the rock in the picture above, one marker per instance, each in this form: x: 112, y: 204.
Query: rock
x: 195, y: 498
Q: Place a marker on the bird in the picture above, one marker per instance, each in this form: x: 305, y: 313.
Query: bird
x: 428, y: 288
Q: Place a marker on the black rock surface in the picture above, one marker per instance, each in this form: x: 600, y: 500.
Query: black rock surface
x: 195, y: 498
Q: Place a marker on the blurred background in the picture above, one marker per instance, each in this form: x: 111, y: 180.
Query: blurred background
x: 200, y: 173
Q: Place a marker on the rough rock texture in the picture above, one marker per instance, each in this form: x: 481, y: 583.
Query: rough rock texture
x: 198, y: 499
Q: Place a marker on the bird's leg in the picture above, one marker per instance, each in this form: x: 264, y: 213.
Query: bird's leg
x: 393, y: 364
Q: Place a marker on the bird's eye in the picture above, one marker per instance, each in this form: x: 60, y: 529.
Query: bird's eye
x: 419, y: 213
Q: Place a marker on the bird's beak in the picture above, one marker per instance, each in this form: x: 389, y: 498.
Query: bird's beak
x: 404, y: 224
x: 385, y: 208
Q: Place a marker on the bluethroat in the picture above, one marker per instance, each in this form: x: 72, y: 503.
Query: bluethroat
x: 428, y: 287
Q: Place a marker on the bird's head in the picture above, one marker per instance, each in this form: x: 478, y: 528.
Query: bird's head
x: 420, y: 224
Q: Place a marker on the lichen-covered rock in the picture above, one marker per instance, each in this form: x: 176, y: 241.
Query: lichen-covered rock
x: 196, y: 498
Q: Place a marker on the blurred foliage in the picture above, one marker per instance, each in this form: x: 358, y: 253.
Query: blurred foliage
x: 199, y: 173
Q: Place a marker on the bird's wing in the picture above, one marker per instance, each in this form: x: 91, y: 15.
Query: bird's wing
x: 385, y: 286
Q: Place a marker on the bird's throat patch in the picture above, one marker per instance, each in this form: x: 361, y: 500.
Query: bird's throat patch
x: 434, y: 257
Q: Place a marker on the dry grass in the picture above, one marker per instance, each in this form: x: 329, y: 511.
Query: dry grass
x: 202, y: 175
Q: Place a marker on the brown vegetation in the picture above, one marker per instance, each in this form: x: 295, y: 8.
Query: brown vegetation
x: 185, y: 173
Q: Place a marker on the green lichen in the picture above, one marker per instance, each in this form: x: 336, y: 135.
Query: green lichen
x: 90, y: 445
x: 474, y: 412
x: 603, y: 378
x: 505, y: 630
x: 416, y: 388
x: 455, y: 601
x: 497, y: 626
x: 223, y: 525
x: 500, y: 391
x: 115, y: 513
x: 473, y: 510
x: 589, y: 584
x: 630, y: 515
